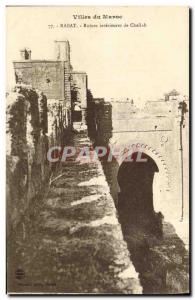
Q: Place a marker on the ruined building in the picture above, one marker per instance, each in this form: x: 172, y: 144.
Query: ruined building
x: 57, y: 80
x: 159, y: 130
x: 61, y: 217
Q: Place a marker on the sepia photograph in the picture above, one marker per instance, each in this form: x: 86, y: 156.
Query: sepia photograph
x: 97, y: 150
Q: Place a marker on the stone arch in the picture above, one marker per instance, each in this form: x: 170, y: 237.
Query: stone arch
x: 135, y: 179
x: 158, y: 158
x: 161, y: 182
x: 161, y: 162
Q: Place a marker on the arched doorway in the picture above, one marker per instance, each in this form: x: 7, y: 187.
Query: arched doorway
x: 135, y: 179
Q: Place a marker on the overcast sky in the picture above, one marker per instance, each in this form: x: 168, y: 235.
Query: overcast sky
x: 140, y: 63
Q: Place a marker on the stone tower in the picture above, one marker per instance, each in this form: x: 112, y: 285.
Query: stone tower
x: 62, y: 50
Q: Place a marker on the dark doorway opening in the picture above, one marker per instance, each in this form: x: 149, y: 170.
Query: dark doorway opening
x: 135, y: 179
x: 77, y: 116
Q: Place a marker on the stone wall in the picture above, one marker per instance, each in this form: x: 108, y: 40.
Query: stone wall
x: 157, y: 131
x: 45, y: 75
x: 79, y: 81
x: 32, y: 126
x: 56, y: 79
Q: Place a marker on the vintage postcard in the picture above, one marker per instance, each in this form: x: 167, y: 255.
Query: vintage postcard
x: 97, y: 150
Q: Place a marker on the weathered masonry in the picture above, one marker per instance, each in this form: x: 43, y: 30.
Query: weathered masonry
x: 120, y: 247
x: 160, y: 131
x: 57, y: 80
x: 151, y: 197
x: 52, y: 207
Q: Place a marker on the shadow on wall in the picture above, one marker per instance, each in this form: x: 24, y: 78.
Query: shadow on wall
x: 151, y: 241
x: 28, y: 169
